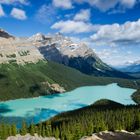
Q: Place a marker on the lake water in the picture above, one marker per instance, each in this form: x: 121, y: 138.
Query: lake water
x: 44, y: 107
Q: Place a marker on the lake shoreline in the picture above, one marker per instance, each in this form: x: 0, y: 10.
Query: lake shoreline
x: 66, y: 92
x: 45, y: 107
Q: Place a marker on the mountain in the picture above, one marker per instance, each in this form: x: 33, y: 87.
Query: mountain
x: 46, y: 77
x: 17, y: 50
x: 132, y: 67
x: 63, y: 50
x: 4, y: 34
x: 27, y: 67
x: 57, y: 48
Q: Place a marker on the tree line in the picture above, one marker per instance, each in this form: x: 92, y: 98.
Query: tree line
x: 75, y: 124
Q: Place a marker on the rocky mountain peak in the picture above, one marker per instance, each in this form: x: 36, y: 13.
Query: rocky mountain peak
x: 4, y: 34
x: 37, y: 37
x: 58, y: 37
x: 58, y: 48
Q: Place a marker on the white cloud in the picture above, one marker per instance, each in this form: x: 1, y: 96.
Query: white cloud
x: 71, y: 26
x: 105, y: 5
x: 18, y: 14
x: 128, y: 3
x: 123, y: 39
x: 126, y: 34
x: 105, y: 53
x: 115, y: 41
x: 24, y: 2
x: 46, y: 14
x: 83, y: 15
x: 2, y: 13
x: 66, y: 4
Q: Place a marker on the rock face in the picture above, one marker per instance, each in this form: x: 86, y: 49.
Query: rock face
x: 37, y: 37
x: 55, y: 48
x: 28, y: 137
x: 17, y: 50
x: 4, y: 34
x: 62, y: 50
x: 122, y: 135
x: 57, y: 88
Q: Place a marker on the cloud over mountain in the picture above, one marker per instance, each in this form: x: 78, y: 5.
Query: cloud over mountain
x: 23, y: 2
x: 71, y: 26
x: 105, y: 5
x: 18, y: 14
x: 83, y: 15
x: 46, y: 14
x: 127, y: 33
x: 66, y: 4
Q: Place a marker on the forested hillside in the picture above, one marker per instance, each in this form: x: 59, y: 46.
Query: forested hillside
x: 30, y: 80
x: 103, y: 115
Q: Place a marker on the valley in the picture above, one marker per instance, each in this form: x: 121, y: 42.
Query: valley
x: 69, y: 70
x: 74, y: 125
x: 57, y: 48
x: 36, y: 110
x: 31, y: 80
x: 29, y: 66
x: 43, y: 76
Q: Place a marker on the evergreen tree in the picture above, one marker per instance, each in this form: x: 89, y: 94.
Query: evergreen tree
x: 23, y: 130
x: 43, y: 132
x: 13, y: 129
x: 39, y: 129
x: 32, y: 129
x: 56, y: 133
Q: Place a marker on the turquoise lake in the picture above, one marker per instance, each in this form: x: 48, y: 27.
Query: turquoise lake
x: 44, y: 107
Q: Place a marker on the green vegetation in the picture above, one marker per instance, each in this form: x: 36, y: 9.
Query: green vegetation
x: 136, y: 75
x: 12, y: 61
x: 7, y: 130
x: 136, y: 96
x: 72, y: 125
x: 11, y: 56
x: 103, y: 115
x: 24, y: 53
x: 24, y: 81
x: 107, y: 103
x: 137, y: 132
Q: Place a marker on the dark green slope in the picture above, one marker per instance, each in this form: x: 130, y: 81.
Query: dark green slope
x: 92, y: 65
x: 17, y: 81
x: 100, y: 116
x: 89, y: 64
x: 106, y: 103
x: 136, y: 96
x: 73, y: 125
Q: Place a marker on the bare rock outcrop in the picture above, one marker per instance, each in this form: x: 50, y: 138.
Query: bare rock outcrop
x: 57, y: 88
x: 29, y: 137
x: 17, y: 50
x: 107, y: 135
x: 4, y: 34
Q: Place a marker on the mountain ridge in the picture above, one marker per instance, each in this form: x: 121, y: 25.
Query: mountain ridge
x: 133, y: 67
x: 56, y: 48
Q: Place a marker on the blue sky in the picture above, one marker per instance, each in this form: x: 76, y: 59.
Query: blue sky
x: 110, y: 27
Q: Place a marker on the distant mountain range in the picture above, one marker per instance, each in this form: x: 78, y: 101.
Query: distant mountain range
x: 56, y: 48
x: 133, y: 67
